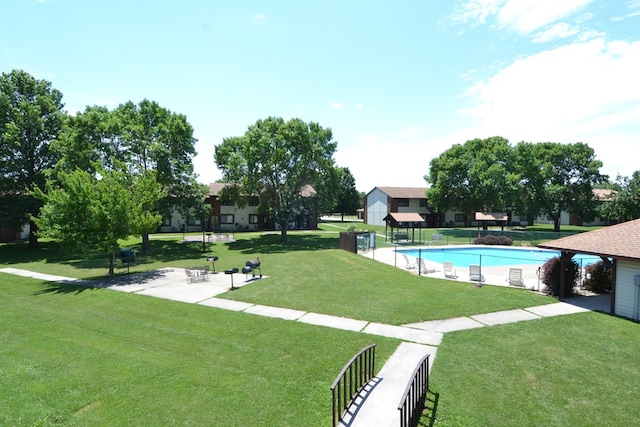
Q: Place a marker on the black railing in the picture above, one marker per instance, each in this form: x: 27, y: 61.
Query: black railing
x: 414, y: 396
x: 351, y: 380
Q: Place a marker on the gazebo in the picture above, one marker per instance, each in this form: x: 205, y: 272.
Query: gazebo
x: 621, y: 244
x: 402, y: 221
x: 497, y: 217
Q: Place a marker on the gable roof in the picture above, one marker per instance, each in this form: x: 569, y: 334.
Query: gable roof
x: 404, y: 217
x: 491, y: 216
x: 617, y: 241
x: 216, y: 187
x: 404, y: 192
x: 604, y: 194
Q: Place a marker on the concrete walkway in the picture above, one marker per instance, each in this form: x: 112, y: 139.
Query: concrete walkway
x: 378, y: 405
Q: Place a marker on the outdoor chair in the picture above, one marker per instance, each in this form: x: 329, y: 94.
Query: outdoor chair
x: 449, y: 270
x: 475, y: 274
x: 204, y: 273
x: 423, y: 268
x: 408, y: 264
x: 515, y: 277
x: 191, y: 276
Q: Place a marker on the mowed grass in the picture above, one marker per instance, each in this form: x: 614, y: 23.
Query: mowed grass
x: 77, y: 356
x: 307, y: 274
x: 93, y: 357
x: 576, y: 370
x: 339, y: 283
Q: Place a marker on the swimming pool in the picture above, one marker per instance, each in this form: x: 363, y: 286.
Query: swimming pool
x: 491, y: 256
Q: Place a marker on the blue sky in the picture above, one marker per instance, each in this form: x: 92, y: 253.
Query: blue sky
x: 398, y: 82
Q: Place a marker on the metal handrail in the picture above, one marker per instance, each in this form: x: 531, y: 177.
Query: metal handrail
x: 414, y: 396
x: 351, y: 380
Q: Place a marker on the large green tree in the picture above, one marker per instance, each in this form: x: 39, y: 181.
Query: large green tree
x: 92, y: 138
x: 31, y: 117
x: 625, y: 203
x: 530, y: 199
x: 349, y: 199
x: 530, y: 179
x: 477, y: 176
x: 86, y: 213
x: 155, y: 138
x: 569, y: 172
x: 278, y: 159
x: 138, y: 138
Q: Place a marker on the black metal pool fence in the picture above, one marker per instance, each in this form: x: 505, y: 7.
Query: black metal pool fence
x: 425, y: 235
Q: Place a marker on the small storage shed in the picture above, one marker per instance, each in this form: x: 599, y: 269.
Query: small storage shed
x: 621, y: 243
x: 402, y: 222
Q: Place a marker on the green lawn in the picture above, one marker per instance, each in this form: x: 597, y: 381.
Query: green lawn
x: 576, y: 370
x: 94, y: 357
x: 76, y: 356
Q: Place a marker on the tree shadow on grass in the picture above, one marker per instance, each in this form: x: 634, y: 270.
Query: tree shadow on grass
x: 162, y: 251
x: 76, y: 287
x: 270, y: 244
x: 130, y: 279
x: 18, y: 252
x: 62, y: 288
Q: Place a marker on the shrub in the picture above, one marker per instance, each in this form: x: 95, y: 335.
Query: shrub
x: 551, y: 274
x: 599, y: 278
x: 492, y: 239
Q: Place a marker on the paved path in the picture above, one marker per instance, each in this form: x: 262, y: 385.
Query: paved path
x: 379, y: 405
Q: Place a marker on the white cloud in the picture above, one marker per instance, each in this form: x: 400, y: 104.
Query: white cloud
x: 359, y: 106
x: 522, y: 16
x: 393, y: 164
x: 409, y: 132
x: 526, y: 16
x: 476, y: 12
x: 259, y: 16
x: 337, y: 105
x: 590, y: 34
x: 628, y: 15
x: 554, y: 32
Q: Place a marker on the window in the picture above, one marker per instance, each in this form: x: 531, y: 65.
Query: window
x: 166, y: 221
x: 193, y: 221
x: 254, y: 201
x: 459, y: 217
x: 226, y: 203
x: 226, y: 219
x: 403, y: 203
x: 423, y: 203
x: 253, y: 218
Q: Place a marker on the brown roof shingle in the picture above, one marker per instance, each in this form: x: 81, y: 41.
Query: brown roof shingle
x: 617, y: 241
x: 491, y: 216
x: 404, y: 192
x: 404, y: 217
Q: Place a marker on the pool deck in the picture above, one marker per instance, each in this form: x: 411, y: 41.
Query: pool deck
x: 493, y: 275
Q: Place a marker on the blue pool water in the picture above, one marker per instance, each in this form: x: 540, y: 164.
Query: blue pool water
x: 490, y: 256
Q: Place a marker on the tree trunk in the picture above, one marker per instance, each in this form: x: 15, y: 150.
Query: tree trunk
x: 146, y: 245
x: 33, y: 235
x: 283, y: 233
x: 112, y: 261
x: 556, y: 222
